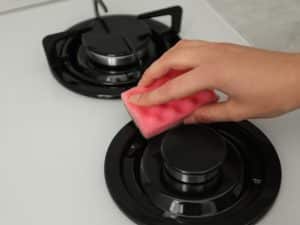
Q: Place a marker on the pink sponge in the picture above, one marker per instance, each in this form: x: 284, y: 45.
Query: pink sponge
x: 153, y: 120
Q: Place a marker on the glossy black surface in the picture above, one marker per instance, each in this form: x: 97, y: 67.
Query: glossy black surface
x: 243, y: 188
x: 193, y: 154
x: 104, y: 56
x: 117, y: 40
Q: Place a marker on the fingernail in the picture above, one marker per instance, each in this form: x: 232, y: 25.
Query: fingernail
x: 135, y: 98
x: 189, y: 120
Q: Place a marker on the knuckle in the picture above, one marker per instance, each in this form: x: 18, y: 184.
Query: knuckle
x: 162, y: 58
x: 229, y: 112
x: 168, y: 90
x: 181, y: 43
x: 141, y: 99
x: 171, y: 57
x: 166, y: 56
x: 236, y: 119
x: 203, y: 117
x: 236, y: 115
x: 164, y: 61
x: 218, y: 46
x: 153, y: 99
x: 211, y: 78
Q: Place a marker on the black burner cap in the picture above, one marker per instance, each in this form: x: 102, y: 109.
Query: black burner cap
x: 193, y: 154
x: 113, y: 38
x: 216, y: 174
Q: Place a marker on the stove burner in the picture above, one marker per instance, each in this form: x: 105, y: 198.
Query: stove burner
x: 190, y: 159
x: 123, y: 41
x: 225, y: 173
x: 104, y: 56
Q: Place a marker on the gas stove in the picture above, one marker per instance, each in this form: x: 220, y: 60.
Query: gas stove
x: 57, y: 146
x: 106, y: 55
x: 202, y: 174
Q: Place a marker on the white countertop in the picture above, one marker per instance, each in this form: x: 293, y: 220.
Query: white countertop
x: 53, y: 142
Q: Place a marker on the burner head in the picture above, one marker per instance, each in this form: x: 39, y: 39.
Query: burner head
x: 122, y: 41
x: 105, y: 56
x: 193, y: 154
x: 225, y: 173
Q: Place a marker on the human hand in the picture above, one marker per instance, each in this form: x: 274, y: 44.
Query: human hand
x: 258, y: 83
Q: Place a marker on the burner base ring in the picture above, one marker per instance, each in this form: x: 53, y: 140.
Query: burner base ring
x: 257, y: 197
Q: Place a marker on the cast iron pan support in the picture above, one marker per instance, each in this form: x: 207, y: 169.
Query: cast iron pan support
x: 98, y: 15
x: 103, y: 6
x: 176, y: 16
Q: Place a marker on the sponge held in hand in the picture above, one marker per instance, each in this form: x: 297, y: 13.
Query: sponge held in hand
x: 153, y: 120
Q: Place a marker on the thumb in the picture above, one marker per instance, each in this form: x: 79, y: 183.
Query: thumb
x: 217, y: 112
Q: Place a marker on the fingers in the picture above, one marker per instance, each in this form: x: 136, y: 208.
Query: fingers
x: 175, y: 60
x: 180, y: 57
x: 217, y: 112
x: 179, y: 87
